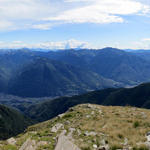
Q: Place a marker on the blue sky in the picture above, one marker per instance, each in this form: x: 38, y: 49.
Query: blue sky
x: 57, y: 24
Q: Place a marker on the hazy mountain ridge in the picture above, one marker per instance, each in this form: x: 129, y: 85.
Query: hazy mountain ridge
x: 46, y: 77
x: 20, y: 103
x: 104, y: 67
x: 14, y: 63
x: 138, y: 96
x: 125, y: 67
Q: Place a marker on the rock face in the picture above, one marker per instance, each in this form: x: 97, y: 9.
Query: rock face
x: 32, y: 144
x: 29, y: 145
x: 64, y: 143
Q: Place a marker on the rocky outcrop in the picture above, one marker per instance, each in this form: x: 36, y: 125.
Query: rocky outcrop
x: 92, y: 133
x: 29, y: 145
x: 32, y: 144
x: 64, y: 143
x: 56, y: 127
x: 11, y: 141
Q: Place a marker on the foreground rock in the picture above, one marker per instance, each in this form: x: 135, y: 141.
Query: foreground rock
x: 11, y: 141
x: 56, y: 127
x: 29, y: 145
x: 64, y: 143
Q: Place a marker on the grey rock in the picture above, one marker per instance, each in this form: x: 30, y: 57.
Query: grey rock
x: 29, y: 145
x: 67, y: 122
x: 11, y: 141
x: 148, y: 133
x: 61, y: 115
x: 100, y: 111
x: 143, y: 115
x: 56, y: 127
x: 148, y: 136
x: 103, y: 142
x: 125, y: 142
x: 95, y: 146
x: 91, y: 106
x: 79, y: 132
x: 71, y: 132
x: 41, y: 143
x: 92, y: 133
x: 64, y: 143
x: 104, y: 147
x: 92, y: 113
x: 88, y: 116
x: 148, y: 145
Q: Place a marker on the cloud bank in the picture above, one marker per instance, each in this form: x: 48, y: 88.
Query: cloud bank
x: 45, y: 14
x: 69, y: 44
x: 73, y: 44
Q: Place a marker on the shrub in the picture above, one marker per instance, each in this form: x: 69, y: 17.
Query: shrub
x: 115, y: 147
x: 120, y: 136
x: 136, y: 124
x: 85, y: 148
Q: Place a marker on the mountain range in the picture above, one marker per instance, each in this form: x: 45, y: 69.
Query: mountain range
x: 24, y: 72
x: 40, y: 85
x: 46, y: 77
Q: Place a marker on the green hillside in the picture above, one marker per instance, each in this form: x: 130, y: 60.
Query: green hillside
x: 138, y: 96
x: 46, y: 77
x: 11, y: 122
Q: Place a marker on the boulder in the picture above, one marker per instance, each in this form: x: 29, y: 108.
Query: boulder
x: 29, y: 145
x: 41, y: 143
x: 91, y: 106
x: 56, y: 127
x: 71, y: 132
x: 148, y: 137
x: 104, y: 147
x: 92, y: 133
x: 61, y: 115
x: 11, y: 141
x: 95, y: 146
x: 64, y: 143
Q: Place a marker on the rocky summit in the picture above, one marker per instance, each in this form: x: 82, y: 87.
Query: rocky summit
x: 87, y: 127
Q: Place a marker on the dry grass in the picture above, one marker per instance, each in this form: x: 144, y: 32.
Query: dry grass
x: 112, y: 124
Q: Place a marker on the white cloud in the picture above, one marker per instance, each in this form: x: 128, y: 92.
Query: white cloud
x: 76, y: 44
x: 44, y: 14
x: 146, y: 39
x: 104, y: 11
x: 141, y: 44
x: 5, y: 25
x: 42, y: 26
x: 46, y: 45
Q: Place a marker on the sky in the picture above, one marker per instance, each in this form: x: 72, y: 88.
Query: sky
x: 64, y: 24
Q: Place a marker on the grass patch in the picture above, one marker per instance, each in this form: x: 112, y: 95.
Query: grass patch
x: 143, y: 147
x: 115, y: 147
x: 136, y: 124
